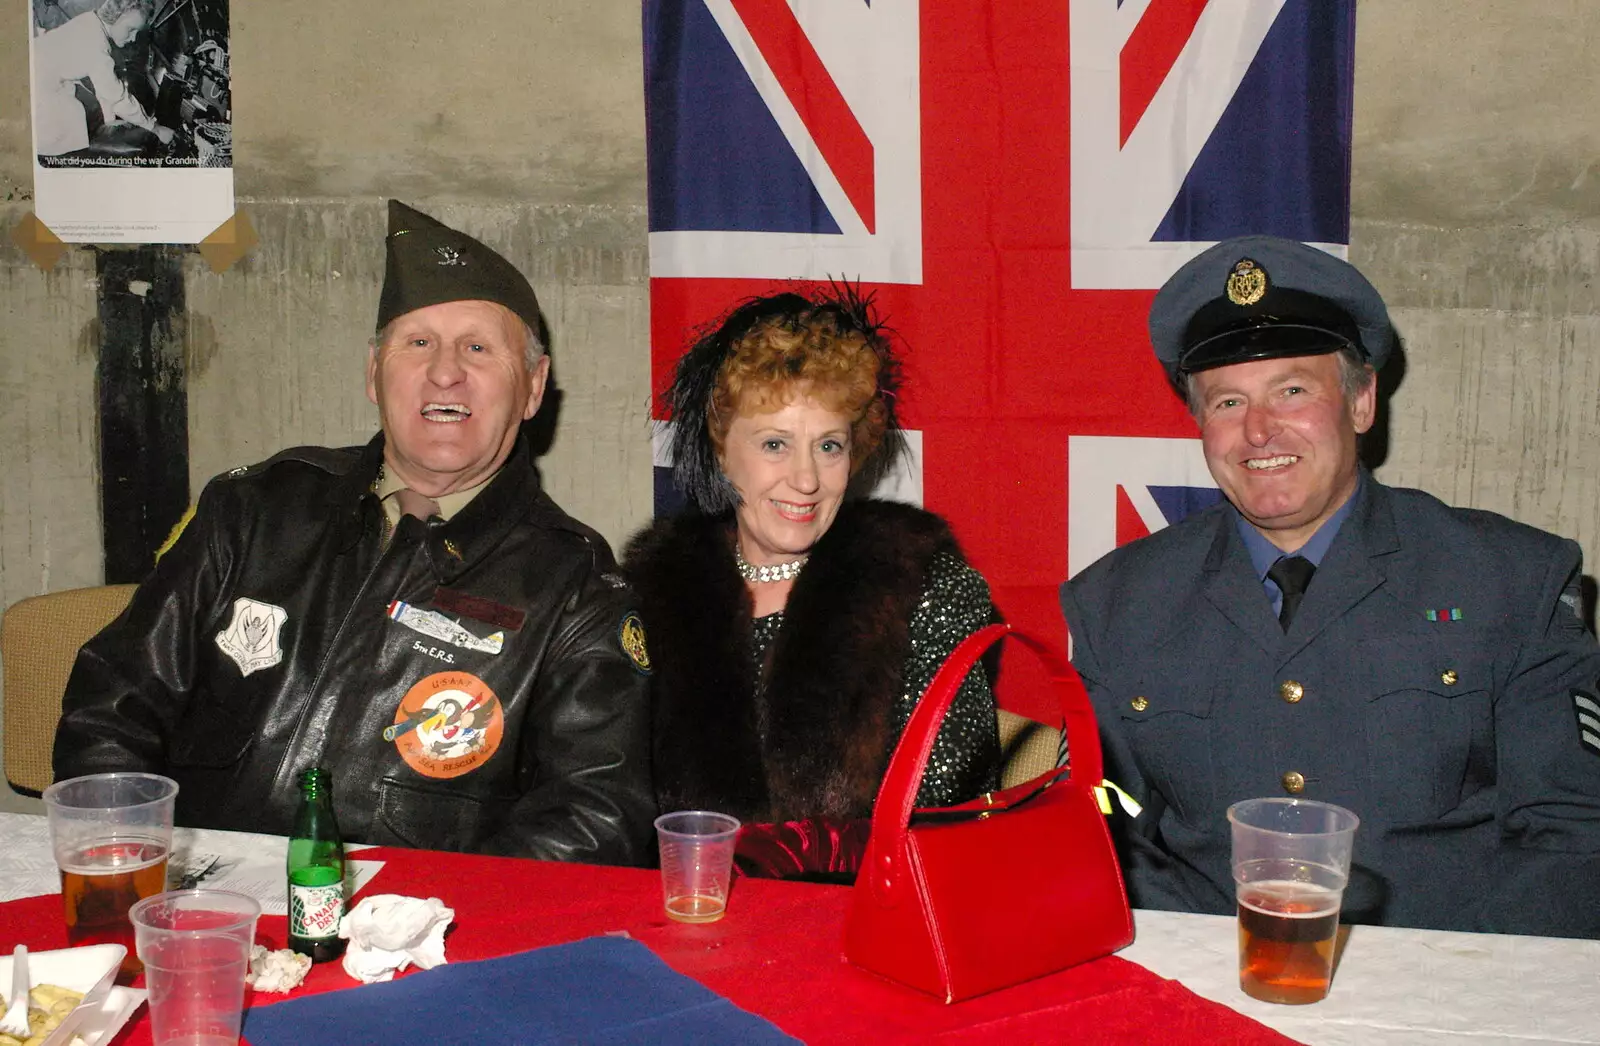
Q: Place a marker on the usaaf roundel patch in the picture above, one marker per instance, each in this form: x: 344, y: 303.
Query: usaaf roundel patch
x: 447, y: 725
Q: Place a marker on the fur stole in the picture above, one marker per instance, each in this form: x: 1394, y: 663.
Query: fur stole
x: 816, y: 740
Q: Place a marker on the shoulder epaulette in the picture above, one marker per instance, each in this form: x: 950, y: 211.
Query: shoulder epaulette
x: 334, y: 460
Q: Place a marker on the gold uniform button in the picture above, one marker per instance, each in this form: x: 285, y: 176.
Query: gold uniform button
x: 1294, y: 782
x: 1448, y: 677
x: 1139, y: 704
x: 1291, y: 691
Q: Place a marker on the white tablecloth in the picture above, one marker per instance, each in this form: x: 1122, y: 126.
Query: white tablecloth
x: 250, y: 864
x: 1399, y: 986
x: 1393, y: 987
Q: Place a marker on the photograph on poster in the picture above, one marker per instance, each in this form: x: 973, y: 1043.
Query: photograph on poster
x: 132, y: 118
x: 132, y: 83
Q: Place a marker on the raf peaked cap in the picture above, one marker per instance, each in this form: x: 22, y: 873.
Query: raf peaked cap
x: 1262, y: 297
x: 429, y: 263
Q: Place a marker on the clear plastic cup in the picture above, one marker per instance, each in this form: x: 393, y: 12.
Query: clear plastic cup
x: 696, y: 863
x: 195, y: 945
x: 1291, y: 860
x: 111, y: 834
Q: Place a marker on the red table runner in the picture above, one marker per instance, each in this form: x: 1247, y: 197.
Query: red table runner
x: 776, y: 953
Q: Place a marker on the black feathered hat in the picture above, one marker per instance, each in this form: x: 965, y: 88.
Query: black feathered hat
x: 695, y: 468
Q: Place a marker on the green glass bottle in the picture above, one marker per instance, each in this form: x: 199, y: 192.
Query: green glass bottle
x: 316, y: 872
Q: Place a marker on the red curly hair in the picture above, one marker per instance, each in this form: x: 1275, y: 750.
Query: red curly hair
x: 779, y: 361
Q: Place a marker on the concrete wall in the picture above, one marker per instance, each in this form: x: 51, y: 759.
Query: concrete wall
x: 1477, y: 203
x: 1477, y: 214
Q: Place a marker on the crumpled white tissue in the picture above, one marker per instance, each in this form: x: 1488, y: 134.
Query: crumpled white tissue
x: 388, y: 932
x: 281, y: 971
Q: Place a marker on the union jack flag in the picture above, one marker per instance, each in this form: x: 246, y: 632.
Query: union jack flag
x: 784, y: 139
x: 1122, y: 488
x: 1194, y: 121
x: 1012, y: 180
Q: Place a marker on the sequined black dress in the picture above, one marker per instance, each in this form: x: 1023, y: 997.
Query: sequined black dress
x: 788, y: 720
x: 954, y: 605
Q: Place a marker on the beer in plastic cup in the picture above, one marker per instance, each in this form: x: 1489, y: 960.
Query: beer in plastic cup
x: 111, y: 834
x: 195, y: 945
x: 1291, y: 860
x: 696, y: 863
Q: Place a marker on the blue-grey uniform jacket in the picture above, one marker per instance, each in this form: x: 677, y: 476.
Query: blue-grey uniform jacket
x: 1432, y: 681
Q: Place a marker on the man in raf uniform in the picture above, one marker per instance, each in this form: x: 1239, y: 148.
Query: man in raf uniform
x: 415, y: 615
x: 1321, y: 635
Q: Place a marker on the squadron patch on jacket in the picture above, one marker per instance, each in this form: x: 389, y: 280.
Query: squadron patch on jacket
x: 252, y: 637
x: 630, y: 636
x: 447, y: 725
x: 1587, y: 706
x: 435, y: 625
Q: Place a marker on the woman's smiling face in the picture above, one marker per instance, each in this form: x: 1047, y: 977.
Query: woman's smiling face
x: 791, y: 467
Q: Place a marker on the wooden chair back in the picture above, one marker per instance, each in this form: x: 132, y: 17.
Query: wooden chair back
x: 39, y: 640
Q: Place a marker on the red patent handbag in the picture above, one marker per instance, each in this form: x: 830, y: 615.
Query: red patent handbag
x: 962, y: 900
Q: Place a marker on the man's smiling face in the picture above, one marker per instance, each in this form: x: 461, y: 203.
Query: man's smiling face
x: 1280, y: 440
x: 452, y: 385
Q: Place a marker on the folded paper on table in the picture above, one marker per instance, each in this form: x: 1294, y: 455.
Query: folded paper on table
x: 598, y: 990
x: 262, y: 879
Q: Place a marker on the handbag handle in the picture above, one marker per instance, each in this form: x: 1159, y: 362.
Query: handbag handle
x: 891, y: 812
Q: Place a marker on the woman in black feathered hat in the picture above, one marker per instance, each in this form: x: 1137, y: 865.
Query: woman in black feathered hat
x: 793, y: 626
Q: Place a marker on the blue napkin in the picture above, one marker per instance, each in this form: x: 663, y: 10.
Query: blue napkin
x: 608, y: 990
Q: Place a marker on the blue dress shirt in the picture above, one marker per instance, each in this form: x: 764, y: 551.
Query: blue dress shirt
x: 1263, y: 553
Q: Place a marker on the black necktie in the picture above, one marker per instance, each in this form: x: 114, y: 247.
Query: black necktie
x: 1292, y: 575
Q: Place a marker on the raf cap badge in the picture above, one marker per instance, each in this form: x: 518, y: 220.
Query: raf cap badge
x: 1247, y: 283
x: 449, y: 256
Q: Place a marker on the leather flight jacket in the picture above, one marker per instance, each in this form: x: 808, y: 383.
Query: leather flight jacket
x: 472, y: 684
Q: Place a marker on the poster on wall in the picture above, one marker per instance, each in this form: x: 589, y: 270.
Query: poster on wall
x: 132, y: 119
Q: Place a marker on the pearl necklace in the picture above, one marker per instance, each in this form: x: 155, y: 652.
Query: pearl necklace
x: 780, y: 572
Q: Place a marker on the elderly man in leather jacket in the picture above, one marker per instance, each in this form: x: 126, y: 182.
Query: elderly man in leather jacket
x: 415, y: 615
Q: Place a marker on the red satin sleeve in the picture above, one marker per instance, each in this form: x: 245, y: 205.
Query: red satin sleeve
x: 816, y: 848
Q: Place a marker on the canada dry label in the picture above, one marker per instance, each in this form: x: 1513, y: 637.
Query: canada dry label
x: 314, y: 911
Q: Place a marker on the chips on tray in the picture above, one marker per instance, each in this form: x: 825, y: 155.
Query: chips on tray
x: 48, y: 1006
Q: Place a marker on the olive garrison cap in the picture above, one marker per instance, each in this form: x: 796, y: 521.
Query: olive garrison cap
x: 429, y: 263
x: 1263, y: 297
